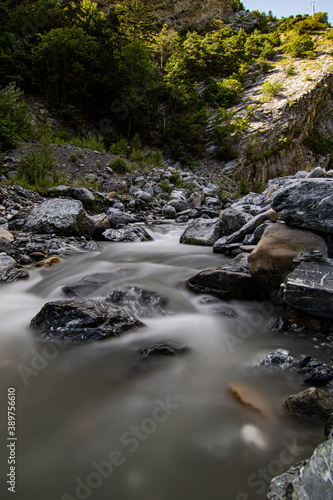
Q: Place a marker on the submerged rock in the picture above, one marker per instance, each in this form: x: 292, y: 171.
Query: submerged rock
x: 231, y: 281
x: 135, y: 300
x: 13, y: 274
x: 202, y: 232
x: 309, y: 288
x: 65, y: 217
x: 252, y: 398
x: 306, y: 203
x: 80, y: 320
x: 312, y: 403
x: 133, y: 234
x: 88, y: 285
x: 165, y: 349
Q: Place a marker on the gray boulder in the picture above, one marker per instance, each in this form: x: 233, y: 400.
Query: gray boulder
x: 306, y: 203
x: 6, y: 262
x: 84, y: 195
x: 309, y: 288
x: 308, y: 480
x: 231, y: 281
x: 202, y: 232
x: 64, y: 217
x: 80, y: 320
x: 116, y: 218
x: 233, y: 220
x: 238, y: 236
x: 178, y: 204
x: 132, y: 234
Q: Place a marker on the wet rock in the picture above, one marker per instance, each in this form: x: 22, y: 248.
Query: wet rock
x: 306, y: 203
x: 13, y: 274
x: 231, y: 281
x: 233, y: 220
x: 128, y: 234
x: 64, y: 217
x: 88, y: 285
x: 273, y: 258
x: 165, y: 349
x: 80, y: 320
x: 238, y: 236
x: 309, y: 288
x: 135, y: 300
x: 49, y: 262
x: 202, y: 232
x: 6, y: 262
x: 280, y: 358
x: 319, y: 375
x: 116, y: 218
x: 313, y: 403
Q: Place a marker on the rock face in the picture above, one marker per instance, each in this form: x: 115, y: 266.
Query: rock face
x: 64, y: 217
x: 313, y: 403
x: 273, y: 258
x: 231, y: 281
x: 308, y: 480
x: 202, y: 232
x: 306, y: 203
x: 79, y: 320
x: 309, y: 288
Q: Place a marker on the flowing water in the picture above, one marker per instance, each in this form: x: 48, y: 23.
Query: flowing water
x: 96, y: 421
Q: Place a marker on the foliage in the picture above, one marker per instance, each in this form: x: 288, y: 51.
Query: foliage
x: 15, y: 118
x: 120, y: 166
x: 37, y: 170
x: 318, y: 143
x: 223, y: 93
x: 271, y: 90
x: 301, y: 46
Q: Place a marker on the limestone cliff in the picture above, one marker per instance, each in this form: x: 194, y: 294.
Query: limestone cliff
x: 181, y: 13
x: 275, y: 142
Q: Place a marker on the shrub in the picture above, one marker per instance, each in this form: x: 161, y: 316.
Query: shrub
x: 120, y: 166
x: 270, y: 90
x: 37, y: 170
x: 15, y: 118
x: 224, y: 93
x: 301, y: 46
x: 290, y: 70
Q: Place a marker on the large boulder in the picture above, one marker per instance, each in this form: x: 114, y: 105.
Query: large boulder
x: 233, y: 220
x: 273, y: 258
x: 202, y: 232
x: 231, y: 281
x: 309, y: 288
x: 64, y: 217
x: 308, y: 480
x: 80, y: 320
x: 306, y: 203
x: 313, y: 403
x: 237, y: 237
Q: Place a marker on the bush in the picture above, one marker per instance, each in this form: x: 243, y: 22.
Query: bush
x: 120, y: 166
x: 302, y: 46
x: 37, y: 170
x: 270, y: 90
x: 224, y: 93
x: 15, y: 118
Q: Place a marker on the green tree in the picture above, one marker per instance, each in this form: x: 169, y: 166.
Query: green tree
x: 15, y: 118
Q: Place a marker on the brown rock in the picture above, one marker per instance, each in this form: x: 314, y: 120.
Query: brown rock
x: 312, y: 403
x: 272, y: 215
x: 50, y: 261
x: 6, y: 235
x: 273, y: 258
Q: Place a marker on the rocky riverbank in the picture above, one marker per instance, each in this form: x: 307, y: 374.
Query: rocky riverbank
x: 280, y: 244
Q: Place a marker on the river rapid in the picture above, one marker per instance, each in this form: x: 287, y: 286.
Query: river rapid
x: 96, y: 421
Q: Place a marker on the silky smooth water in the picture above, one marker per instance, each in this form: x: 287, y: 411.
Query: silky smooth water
x: 96, y: 421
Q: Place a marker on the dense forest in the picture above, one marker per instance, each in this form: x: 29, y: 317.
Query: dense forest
x: 131, y: 76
